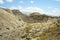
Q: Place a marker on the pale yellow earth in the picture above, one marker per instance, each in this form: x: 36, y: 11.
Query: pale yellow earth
x: 15, y: 25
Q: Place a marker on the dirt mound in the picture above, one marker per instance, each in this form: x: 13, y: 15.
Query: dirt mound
x: 14, y: 25
x: 35, y: 14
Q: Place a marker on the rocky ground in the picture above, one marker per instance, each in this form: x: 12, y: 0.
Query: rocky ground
x: 15, y: 25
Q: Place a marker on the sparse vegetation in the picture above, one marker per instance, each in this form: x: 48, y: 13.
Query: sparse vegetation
x: 18, y: 26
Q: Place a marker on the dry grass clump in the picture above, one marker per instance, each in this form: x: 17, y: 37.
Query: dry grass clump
x: 18, y: 26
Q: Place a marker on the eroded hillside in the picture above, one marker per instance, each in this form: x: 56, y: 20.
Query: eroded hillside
x: 14, y: 25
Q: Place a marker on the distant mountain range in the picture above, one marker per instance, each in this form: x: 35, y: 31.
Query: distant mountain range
x: 15, y: 25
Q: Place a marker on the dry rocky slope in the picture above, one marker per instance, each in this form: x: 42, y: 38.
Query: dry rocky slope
x: 15, y: 25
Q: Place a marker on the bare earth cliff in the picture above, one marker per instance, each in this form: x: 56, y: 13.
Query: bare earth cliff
x: 15, y: 25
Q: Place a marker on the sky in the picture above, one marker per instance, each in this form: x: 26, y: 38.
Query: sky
x: 48, y: 7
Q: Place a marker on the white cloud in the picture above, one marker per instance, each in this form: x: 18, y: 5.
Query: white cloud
x: 21, y: 2
x: 50, y: 11
x: 34, y: 9
x: 53, y: 11
x: 1, y: 1
x: 31, y: 2
x: 29, y: 9
x: 9, y: 0
x: 57, y: 0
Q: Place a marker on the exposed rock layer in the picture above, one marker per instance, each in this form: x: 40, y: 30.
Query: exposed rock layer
x: 15, y: 25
